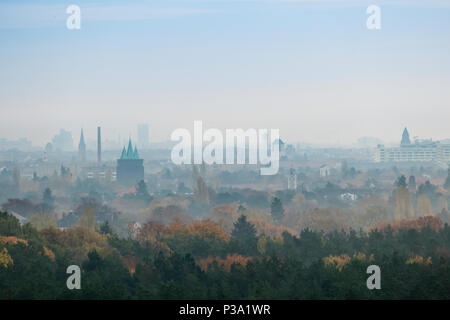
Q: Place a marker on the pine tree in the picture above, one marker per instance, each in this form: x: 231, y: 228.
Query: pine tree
x: 276, y: 209
x: 401, y: 181
x: 244, y: 234
x: 47, y: 197
x: 105, y: 228
x: 141, y: 191
x: 447, y: 181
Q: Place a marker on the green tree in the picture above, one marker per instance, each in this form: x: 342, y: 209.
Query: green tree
x: 9, y: 225
x: 105, y: 228
x: 142, y: 191
x: 276, y: 209
x: 42, y: 221
x: 447, y: 181
x: 244, y: 235
x: 401, y: 181
x: 16, y: 178
x: 48, y: 198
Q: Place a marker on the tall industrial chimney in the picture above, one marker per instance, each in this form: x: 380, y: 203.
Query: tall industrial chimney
x: 99, y: 144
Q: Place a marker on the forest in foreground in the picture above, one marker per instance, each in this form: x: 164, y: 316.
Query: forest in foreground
x: 200, y: 261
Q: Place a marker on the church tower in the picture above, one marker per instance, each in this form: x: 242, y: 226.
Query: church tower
x: 82, y: 148
x: 130, y: 168
x: 405, y: 138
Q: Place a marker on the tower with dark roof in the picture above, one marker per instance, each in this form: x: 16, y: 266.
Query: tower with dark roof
x: 130, y: 168
x: 405, y: 138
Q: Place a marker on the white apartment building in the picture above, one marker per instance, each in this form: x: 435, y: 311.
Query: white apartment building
x: 424, y: 151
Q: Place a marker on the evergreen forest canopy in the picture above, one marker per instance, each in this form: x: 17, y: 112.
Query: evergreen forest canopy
x: 199, y: 260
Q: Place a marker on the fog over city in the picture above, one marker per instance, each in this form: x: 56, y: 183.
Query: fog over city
x: 313, y: 71
x: 264, y: 151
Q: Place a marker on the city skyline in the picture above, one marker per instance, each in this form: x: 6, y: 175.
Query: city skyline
x: 312, y: 70
x: 116, y: 144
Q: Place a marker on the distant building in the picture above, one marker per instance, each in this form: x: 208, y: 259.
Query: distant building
x: 143, y: 136
x: 419, y: 151
x: 324, y: 171
x: 82, y: 148
x: 349, y: 197
x: 63, y: 141
x: 130, y: 169
x: 99, y: 173
x: 20, y: 144
x: 292, y: 180
x: 281, y: 148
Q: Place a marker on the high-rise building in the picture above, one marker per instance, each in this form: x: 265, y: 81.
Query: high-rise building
x: 130, y: 169
x: 143, y: 136
x: 82, y: 148
x: 99, y: 144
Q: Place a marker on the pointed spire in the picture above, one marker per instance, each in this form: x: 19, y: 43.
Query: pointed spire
x: 82, y: 148
x: 124, y: 154
x: 130, y: 152
x: 82, y: 143
x: 405, y: 138
x: 82, y: 136
x: 130, y: 149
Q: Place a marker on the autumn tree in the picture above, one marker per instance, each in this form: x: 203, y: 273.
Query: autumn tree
x: 424, y: 207
x: 223, y: 215
x: 87, y: 219
x: 5, y: 258
x: 404, y: 207
x: 42, y: 221
x: 169, y: 214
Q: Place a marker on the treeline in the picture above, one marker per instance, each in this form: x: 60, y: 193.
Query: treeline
x: 198, y: 260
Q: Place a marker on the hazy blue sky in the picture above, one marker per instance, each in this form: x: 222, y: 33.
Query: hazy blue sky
x: 310, y: 68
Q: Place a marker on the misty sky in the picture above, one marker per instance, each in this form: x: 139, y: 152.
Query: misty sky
x: 310, y: 68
